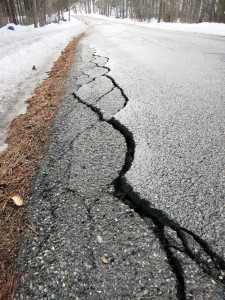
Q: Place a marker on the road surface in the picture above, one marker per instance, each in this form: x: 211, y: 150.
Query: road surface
x: 129, y: 201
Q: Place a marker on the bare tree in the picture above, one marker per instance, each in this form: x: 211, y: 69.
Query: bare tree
x: 35, y: 19
x: 220, y: 16
x: 160, y: 11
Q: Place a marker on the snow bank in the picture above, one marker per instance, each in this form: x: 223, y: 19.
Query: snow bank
x: 20, y: 49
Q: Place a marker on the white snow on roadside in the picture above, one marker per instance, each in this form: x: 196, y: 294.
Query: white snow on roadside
x: 19, y: 51
x: 203, y: 28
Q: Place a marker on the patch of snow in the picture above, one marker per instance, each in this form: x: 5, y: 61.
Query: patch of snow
x: 20, y: 49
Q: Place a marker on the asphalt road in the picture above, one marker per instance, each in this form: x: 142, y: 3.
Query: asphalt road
x: 129, y: 201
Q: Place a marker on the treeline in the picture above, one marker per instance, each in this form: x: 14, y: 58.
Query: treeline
x: 37, y: 12
x: 186, y: 11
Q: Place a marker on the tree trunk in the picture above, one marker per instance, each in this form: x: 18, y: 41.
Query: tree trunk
x: 58, y: 10
x: 35, y: 19
x: 3, y: 18
x: 19, y: 12
x: 160, y: 11
x: 13, y: 12
x: 8, y: 11
x: 28, y: 12
x: 69, y: 10
x: 42, y: 13
x: 221, y: 11
x: 196, y: 11
x: 202, y: 14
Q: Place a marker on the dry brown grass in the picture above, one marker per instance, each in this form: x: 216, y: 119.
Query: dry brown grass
x: 28, y: 140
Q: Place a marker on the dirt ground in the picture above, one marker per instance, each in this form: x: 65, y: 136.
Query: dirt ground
x: 28, y: 139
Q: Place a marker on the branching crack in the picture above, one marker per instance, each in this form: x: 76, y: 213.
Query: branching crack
x: 106, y: 94
x: 96, y: 55
x: 92, y: 107
x: 121, y: 90
x: 161, y: 220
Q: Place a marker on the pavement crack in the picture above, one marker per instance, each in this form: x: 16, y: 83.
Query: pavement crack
x: 119, y: 188
x: 96, y: 55
x: 124, y: 191
x: 213, y: 267
x: 173, y: 261
x: 106, y: 94
x: 115, y: 84
x: 80, y: 85
x: 95, y: 109
x: 121, y: 90
x: 130, y: 148
x: 143, y: 209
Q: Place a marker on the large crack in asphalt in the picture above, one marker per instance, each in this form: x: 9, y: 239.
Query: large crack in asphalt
x: 83, y: 208
x: 206, y: 258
